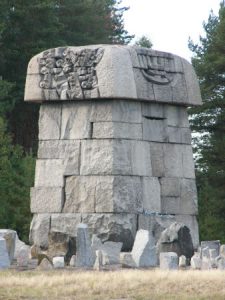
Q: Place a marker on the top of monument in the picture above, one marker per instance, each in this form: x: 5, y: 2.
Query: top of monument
x: 113, y: 72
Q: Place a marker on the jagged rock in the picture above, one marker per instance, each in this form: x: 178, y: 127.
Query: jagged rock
x: 58, y: 262
x: 144, y: 250
x: 168, y: 261
x: 10, y: 238
x: 98, y: 261
x: 111, y: 250
x: 176, y: 238
x: 18, y: 245
x: 4, y: 256
x: 126, y: 260
x: 196, y: 262
x: 182, y: 262
x: 45, y: 265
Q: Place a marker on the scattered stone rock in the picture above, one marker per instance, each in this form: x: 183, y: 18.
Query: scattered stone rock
x: 73, y: 261
x: 182, y: 262
x: 23, y: 257
x: 4, y: 256
x: 18, y: 245
x: 222, y: 250
x: 196, y: 262
x: 58, y: 262
x: 98, y: 261
x: 10, y: 238
x: 211, y: 245
x: 84, y: 255
x: 144, y: 250
x: 110, y: 250
x: 126, y: 260
x: 206, y: 263
x: 205, y: 252
x: 45, y: 265
x: 176, y: 238
x: 168, y: 261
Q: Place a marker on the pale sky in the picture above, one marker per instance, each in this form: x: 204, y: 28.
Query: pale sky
x: 169, y: 23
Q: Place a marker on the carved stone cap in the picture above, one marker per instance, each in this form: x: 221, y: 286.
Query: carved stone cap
x: 111, y: 71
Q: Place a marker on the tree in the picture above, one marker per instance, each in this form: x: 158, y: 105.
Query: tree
x: 209, y: 122
x: 144, y: 41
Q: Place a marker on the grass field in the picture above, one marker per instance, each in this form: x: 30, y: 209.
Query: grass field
x: 124, y: 284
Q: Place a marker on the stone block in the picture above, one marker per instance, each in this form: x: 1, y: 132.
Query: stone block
x: 47, y: 199
x: 113, y: 227
x: 117, y: 130
x: 222, y: 250
x: 115, y: 157
x: 45, y: 265
x: 73, y: 261
x: 76, y: 121
x: 4, y: 255
x: 65, y: 223
x: 126, y: 260
x: 176, y: 116
x: 188, y: 162
x: 170, y: 187
x: 18, y: 244
x: 103, y: 194
x: 58, y: 262
x: 98, y: 261
x: 84, y: 255
x: 168, y: 261
x: 182, y: 262
x: 32, y: 90
x: 144, y: 250
x: 50, y: 122
x: 152, y: 110
x: 154, y: 130
x: 157, y: 159
x: 178, y: 135
x: 10, y: 238
x: 68, y: 150
x: 189, y: 199
x: 49, y: 173
x: 39, y: 230
x: 151, y: 194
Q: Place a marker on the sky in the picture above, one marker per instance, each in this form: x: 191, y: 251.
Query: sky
x: 169, y: 23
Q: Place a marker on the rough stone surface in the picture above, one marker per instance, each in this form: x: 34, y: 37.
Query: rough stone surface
x: 58, y: 262
x: 151, y: 194
x: 103, y: 194
x: 144, y: 250
x: 126, y: 260
x: 176, y: 238
x: 115, y: 157
x: 49, y: 122
x: 45, y: 265
x: 65, y: 223
x: 18, y: 245
x: 113, y: 227
x: 84, y: 255
x: 168, y: 261
x: 48, y: 199
x: 98, y: 261
x: 10, y: 238
x: 182, y: 261
x: 73, y: 261
x: 4, y: 256
x: 222, y: 250
x: 39, y: 230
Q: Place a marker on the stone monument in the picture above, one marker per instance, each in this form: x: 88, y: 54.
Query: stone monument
x: 114, y: 142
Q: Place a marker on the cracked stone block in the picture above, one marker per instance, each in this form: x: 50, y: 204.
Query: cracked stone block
x: 39, y: 230
x: 49, y: 122
x: 65, y: 223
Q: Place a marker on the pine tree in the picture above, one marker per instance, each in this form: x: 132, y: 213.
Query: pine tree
x: 209, y: 122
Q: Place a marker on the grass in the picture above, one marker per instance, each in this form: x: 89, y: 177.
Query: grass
x: 124, y: 284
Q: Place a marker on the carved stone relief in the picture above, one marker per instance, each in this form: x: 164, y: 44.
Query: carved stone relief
x: 155, y: 67
x: 68, y: 75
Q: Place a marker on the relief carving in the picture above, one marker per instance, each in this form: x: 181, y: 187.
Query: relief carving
x: 155, y: 67
x: 68, y: 75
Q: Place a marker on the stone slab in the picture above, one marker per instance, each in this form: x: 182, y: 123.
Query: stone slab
x: 154, y: 130
x: 10, y: 238
x: 168, y: 261
x: 178, y: 135
x: 46, y: 199
x: 4, y: 256
x: 115, y: 157
x: 211, y: 245
x: 58, y: 262
x: 176, y: 116
x: 113, y: 227
x: 117, y: 130
x: 152, y: 110
x: 84, y: 255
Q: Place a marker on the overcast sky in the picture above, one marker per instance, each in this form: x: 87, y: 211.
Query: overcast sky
x: 169, y: 23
